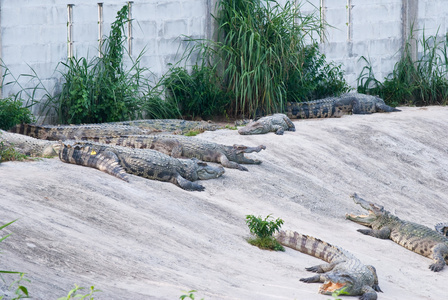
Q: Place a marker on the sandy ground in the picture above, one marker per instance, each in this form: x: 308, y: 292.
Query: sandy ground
x: 152, y: 240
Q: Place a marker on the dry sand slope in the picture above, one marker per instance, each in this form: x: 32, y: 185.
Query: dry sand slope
x: 153, y: 240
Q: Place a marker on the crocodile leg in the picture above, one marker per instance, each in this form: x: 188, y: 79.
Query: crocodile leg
x: 368, y: 294
x: 383, y: 233
x: 278, y: 129
x: 442, y: 228
x: 381, y: 107
x: 290, y: 124
x: 376, y: 286
x: 230, y: 164
x: 313, y: 279
x: 186, y: 184
x: 323, y: 267
x: 439, y: 253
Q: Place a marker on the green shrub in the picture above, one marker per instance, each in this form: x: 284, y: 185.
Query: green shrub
x: 101, y: 89
x: 8, y: 153
x: 317, y: 79
x: 263, y: 229
x: 264, y: 58
x: 198, y: 93
x: 12, y: 113
x: 420, y: 82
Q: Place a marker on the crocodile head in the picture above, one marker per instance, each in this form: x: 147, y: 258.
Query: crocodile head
x: 375, y: 212
x: 253, y: 128
x: 194, y: 169
x: 236, y: 153
x: 337, y: 283
x: 205, y: 171
x: 363, y: 281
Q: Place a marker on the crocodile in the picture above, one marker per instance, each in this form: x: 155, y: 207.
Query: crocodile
x: 277, y: 123
x: 354, y: 103
x: 28, y: 145
x: 186, y: 147
x: 343, y: 271
x: 415, y: 237
x: 151, y: 164
x: 175, y: 126
x: 67, y: 132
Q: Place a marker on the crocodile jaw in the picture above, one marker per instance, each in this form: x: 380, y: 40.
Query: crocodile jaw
x: 252, y: 128
x: 365, y: 220
x: 330, y: 287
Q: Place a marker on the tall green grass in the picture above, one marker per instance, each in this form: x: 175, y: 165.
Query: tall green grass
x: 419, y: 82
x: 102, y: 89
x: 266, y: 54
x: 197, y: 92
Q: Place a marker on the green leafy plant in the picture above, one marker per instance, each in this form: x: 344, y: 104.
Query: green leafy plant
x: 12, y: 112
x: 198, y: 93
x: 8, y: 153
x: 263, y: 229
x: 317, y: 79
x: 73, y: 294
x: 263, y: 58
x: 21, y: 291
x: 264, y: 54
x: 189, y: 295
x: 102, y: 89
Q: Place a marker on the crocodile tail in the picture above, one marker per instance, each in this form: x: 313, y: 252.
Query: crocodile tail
x: 34, y: 131
x: 105, y: 161
x: 309, y: 245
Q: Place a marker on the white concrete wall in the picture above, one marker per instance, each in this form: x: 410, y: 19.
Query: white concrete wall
x: 34, y: 33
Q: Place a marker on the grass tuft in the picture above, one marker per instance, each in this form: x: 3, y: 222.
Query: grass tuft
x: 419, y: 82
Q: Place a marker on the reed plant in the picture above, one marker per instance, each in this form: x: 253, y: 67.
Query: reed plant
x: 264, y: 53
x: 102, y: 89
x: 196, y: 93
x: 422, y: 81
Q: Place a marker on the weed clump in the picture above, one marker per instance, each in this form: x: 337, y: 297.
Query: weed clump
x: 265, y: 56
x: 12, y: 113
x: 418, y: 82
x: 9, y: 153
x: 102, y: 90
x: 264, y: 229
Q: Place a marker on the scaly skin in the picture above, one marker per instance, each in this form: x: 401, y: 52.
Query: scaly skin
x: 171, y: 125
x: 415, y: 237
x: 342, y: 271
x: 66, y: 132
x: 30, y: 146
x: 186, y: 147
x: 69, y: 132
x: 338, y: 106
x: 277, y: 123
x: 141, y: 162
